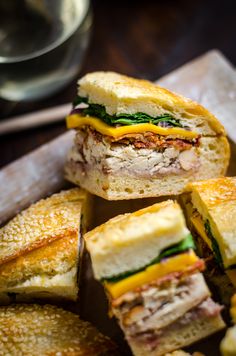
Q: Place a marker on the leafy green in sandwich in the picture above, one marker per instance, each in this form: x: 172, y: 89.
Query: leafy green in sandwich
x: 214, y: 244
x: 99, y: 111
x: 182, y: 246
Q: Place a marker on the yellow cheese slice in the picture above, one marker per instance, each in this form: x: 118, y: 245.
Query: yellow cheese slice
x: 76, y: 120
x: 177, y: 263
x: 198, y: 224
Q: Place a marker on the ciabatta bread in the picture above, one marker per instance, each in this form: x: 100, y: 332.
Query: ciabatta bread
x: 131, y: 241
x: 130, y: 160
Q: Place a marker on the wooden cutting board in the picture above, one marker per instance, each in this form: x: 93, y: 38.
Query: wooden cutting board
x: 211, y: 80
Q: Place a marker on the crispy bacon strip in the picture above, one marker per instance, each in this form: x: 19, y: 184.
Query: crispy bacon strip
x: 148, y: 140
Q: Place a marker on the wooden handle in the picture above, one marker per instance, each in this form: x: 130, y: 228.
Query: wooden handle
x: 35, y: 119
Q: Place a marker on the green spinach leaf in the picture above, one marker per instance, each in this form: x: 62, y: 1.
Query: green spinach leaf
x: 182, y: 246
x: 214, y: 244
x: 99, y: 111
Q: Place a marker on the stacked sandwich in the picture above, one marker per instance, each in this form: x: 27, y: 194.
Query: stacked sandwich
x: 40, y: 249
x: 228, y: 344
x: 153, y: 279
x: 211, y: 211
x: 135, y: 139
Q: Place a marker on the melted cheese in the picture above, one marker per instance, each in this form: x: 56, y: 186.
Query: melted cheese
x: 198, y: 224
x: 177, y: 263
x: 76, y: 120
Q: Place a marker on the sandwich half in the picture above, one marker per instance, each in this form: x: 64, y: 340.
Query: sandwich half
x: 211, y: 212
x: 33, y: 330
x: 40, y: 249
x: 228, y: 344
x: 153, y: 279
x: 135, y: 139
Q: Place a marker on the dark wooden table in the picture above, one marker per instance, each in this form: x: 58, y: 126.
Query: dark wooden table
x: 140, y: 38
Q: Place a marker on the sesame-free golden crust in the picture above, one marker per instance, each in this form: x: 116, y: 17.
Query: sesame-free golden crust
x: 32, y: 330
x: 125, y: 218
x: 215, y: 191
x: 215, y: 200
x: 42, y: 223
x: 131, y: 241
x: 126, y: 88
x: 58, y: 257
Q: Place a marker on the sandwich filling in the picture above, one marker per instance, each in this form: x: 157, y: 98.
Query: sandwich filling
x: 136, y: 144
x: 99, y: 111
x: 49, y: 270
x: 209, y: 249
x: 204, y: 312
x: 167, y: 295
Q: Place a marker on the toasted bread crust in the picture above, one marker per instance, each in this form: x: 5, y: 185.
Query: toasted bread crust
x: 48, y: 330
x: 57, y: 257
x: 215, y: 191
x: 116, y: 92
x: 108, y: 233
x: 40, y: 224
x: 215, y: 200
x: 130, y: 241
x: 40, y: 249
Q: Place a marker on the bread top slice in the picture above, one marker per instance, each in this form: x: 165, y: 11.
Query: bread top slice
x: 131, y: 241
x: 42, y: 223
x: 49, y: 330
x: 215, y: 200
x: 56, y: 258
x: 120, y: 94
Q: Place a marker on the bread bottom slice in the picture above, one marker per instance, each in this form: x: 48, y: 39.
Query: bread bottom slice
x: 213, y: 154
x: 182, y: 336
x: 58, y: 287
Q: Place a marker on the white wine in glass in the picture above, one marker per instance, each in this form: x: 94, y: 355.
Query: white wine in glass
x: 42, y: 45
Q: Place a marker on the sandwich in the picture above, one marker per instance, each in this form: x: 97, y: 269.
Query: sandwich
x: 152, y: 277
x: 40, y: 249
x: 31, y: 329
x: 135, y: 139
x: 228, y: 344
x: 211, y: 210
